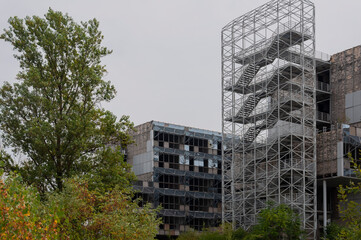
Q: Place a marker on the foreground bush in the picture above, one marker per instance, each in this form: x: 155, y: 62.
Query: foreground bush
x: 224, y: 232
x: 89, y: 214
x: 74, y: 213
x: 277, y: 222
x: 22, y: 214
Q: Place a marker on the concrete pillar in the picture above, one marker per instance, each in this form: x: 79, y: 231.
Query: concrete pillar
x: 324, y: 205
x: 340, y: 163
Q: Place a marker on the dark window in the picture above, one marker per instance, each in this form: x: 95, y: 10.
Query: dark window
x: 199, y: 204
x: 170, y: 202
x: 173, y: 139
x: 199, y: 223
x: 191, y: 163
x: 205, y: 166
x: 200, y: 185
x: 169, y: 181
x: 173, y: 160
x: 171, y: 223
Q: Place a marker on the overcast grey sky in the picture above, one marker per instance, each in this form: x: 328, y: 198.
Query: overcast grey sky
x: 166, y: 60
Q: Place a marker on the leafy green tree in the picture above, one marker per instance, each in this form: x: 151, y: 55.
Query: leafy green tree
x: 277, y: 222
x: 52, y: 114
x: 350, y: 210
x: 73, y: 147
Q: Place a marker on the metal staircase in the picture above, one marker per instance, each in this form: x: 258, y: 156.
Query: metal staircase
x: 253, y: 131
x: 265, y: 88
x: 249, y: 73
x: 268, y: 85
x: 248, y: 106
x: 268, y: 103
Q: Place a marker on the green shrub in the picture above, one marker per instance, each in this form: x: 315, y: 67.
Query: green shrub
x: 208, y: 235
x: 332, y: 231
x: 239, y: 234
x: 277, y: 222
x: 189, y: 235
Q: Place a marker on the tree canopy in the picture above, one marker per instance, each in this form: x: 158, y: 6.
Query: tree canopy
x: 52, y: 114
x: 73, y: 182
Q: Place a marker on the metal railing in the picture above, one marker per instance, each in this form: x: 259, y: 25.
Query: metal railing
x: 270, y: 105
x: 323, y: 116
x: 266, y: 76
x: 323, y: 86
x: 317, y: 54
x: 322, y: 56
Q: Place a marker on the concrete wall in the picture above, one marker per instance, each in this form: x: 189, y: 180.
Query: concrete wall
x: 345, y: 79
x: 140, y: 154
x: 283, y: 128
x: 327, y: 152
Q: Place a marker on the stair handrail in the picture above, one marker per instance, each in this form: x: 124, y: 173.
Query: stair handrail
x: 266, y: 44
x: 317, y: 54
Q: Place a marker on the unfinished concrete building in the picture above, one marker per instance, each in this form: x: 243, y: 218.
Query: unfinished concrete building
x: 342, y: 133
x: 178, y: 168
x: 281, y: 99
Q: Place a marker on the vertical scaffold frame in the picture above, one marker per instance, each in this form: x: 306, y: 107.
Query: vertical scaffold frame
x: 268, y: 112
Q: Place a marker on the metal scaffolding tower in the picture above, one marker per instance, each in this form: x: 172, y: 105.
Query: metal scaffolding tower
x: 268, y: 108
